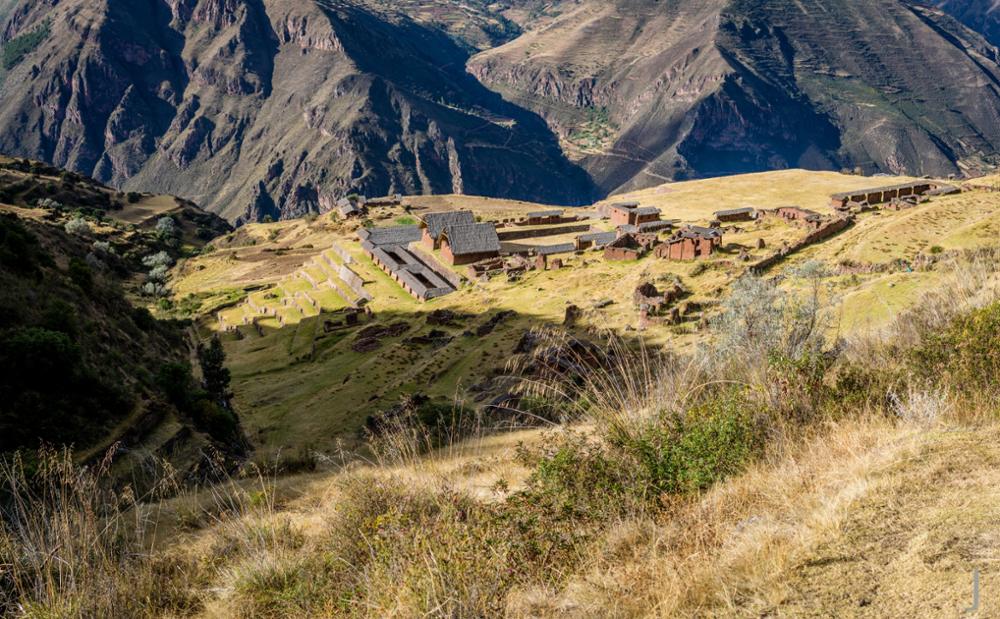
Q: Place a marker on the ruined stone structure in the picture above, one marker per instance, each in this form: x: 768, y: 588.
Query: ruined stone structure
x: 416, y: 273
x: 736, y: 214
x: 882, y: 195
x: 692, y: 243
x: 542, y: 218
x: 629, y: 247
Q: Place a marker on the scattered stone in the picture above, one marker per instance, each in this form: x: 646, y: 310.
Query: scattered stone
x: 573, y: 314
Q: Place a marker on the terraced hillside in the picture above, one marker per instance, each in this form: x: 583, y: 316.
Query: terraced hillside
x: 312, y: 379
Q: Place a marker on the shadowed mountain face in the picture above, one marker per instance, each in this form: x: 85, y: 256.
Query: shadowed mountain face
x: 276, y: 108
x: 268, y: 107
x: 983, y: 16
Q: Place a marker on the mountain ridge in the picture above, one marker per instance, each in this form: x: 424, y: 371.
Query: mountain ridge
x: 272, y: 109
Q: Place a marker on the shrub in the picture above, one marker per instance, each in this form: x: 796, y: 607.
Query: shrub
x: 78, y: 226
x: 166, y: 228
x: 966, y: 353
x: 81, y: 274
x: 711, y: 441
x: 161, y: 258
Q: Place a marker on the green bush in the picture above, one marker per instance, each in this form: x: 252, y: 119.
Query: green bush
x: 966, y: 353
x: 80, y: 273
x: 711, y: 441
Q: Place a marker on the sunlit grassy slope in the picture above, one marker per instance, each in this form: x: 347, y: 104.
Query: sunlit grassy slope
x: 300, y: 386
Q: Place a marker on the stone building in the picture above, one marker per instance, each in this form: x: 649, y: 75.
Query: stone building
x: 736, y: 214
x: 468, y: 243
x: 692, y: 243
x: 434, y: 224
x: 624, y: 214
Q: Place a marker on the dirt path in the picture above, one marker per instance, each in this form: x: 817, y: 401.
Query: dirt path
x: 910, y: 546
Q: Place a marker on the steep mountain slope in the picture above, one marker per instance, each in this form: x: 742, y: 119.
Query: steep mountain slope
x: 644, y: 90
x: 983, y: 16
x: 275, y: 107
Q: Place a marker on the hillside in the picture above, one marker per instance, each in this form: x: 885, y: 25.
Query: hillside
x: 305, y: 381
x: 276, y: 109
x: 73, y: 313
x: 778, y: 471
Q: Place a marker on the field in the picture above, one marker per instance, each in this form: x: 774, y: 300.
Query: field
x: 303, y: 385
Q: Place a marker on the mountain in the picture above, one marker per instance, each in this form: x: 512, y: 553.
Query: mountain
x: 268, y: 108
x: 641, y: 91
x: 983, y: 16
x: 274, y: 108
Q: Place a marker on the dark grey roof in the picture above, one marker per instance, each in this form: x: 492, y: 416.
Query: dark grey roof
x: 647, y: 210
x: 858, y: 192
x: 628, y: 205
x: 472, y: 238
x: 348, y: 208
x: 545, y: 214
x: 398, y: 235
x: 734, y: 211
x: 549, y: 250
x: 705, y: 233
x: 436, y: 223
x: 651, y: 226
x: 599, y: 238
x: 628, y: 229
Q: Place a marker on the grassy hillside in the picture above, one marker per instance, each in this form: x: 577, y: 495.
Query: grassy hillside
x: 77, y: 260
x: 773, y: 474
x: 304, y: 388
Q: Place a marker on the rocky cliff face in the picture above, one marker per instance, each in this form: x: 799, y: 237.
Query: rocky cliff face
x: 261, y: 108
x: 983, y: 16
x: 642, y: 91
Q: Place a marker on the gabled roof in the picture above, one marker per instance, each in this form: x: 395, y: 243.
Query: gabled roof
x: 540, y: 214
x: 436, y: 223
x: 647, y: 210
x: 735, y: 211
x: 599, y: 238
x: 652, y: 226
x: 701, y: 232
x: 472, y: 239
x: 549, y: 250
x: 398, y: 235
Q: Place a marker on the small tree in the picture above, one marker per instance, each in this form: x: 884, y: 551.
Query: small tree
x: 215, y: 374
x: 78, y: 226
x: 166, y: 228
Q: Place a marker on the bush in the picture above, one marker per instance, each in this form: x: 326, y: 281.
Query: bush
x: 81, y: 274
x: 78, y: 226
x: 161, y: 258
x: 713, y: 440
x: 166, y: 228
x: 966, y: 353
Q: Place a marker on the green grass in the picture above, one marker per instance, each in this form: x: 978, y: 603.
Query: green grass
x: 17, y: 48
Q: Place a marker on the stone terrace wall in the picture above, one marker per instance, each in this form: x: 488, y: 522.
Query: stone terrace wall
x: 825, y: 231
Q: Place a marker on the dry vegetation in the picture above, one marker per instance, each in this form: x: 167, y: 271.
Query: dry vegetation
x: 774, y: 473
